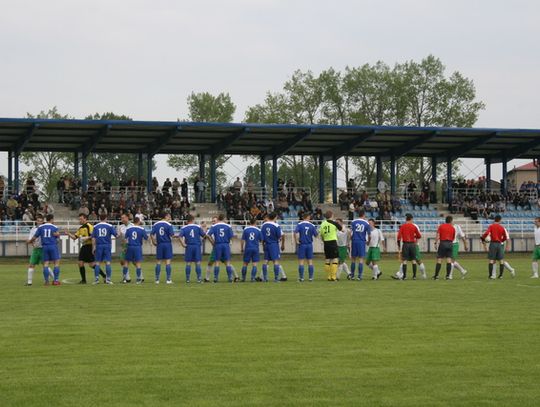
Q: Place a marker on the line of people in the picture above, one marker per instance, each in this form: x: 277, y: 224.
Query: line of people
x: 362, y: 243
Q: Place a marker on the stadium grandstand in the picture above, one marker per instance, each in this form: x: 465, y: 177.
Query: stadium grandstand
x: 474, y: 202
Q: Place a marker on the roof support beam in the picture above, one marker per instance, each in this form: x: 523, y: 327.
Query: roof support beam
x: 94, y: 141
x: 229, y: 141
x: 459, y: 151
x: 399, y: 152
x: 283, y: 148
x: 19, y: 147
x: 349, y: 145
x: 153, y: 149
x: 522, y: 149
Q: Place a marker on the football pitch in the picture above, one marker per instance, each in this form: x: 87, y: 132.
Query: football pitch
x: 469, y: 342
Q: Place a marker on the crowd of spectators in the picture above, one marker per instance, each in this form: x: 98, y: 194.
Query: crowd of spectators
x: 23, y: 206
x: 243, y: 202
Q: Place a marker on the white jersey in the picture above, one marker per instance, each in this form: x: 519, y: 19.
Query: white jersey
x: 536, y: 236
x: 376, y: 238
x: 343, y: 237
x: 37, y: 242
x: 459, y: 233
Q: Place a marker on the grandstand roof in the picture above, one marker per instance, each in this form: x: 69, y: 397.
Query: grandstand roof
x: 156, y: 137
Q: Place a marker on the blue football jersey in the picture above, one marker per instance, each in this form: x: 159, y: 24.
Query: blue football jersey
x: 103, y: 233
x: 252, y: 236
x: 360, y: 230
x: 46, y: 233
x: 306, y: 231
x: 221, y: 232
x: 271, y: 232
x: 192, y: 234
x: 135, y: 235
x: 163, y: 231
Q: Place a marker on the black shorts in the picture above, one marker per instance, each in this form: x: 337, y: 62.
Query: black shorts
x: 408, y: 251
x: 445, y: 249
x: 85, y: 254
x: 331, y: 250
x: 496, y: 251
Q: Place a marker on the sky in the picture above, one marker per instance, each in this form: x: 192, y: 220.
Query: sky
x: 143, y: 58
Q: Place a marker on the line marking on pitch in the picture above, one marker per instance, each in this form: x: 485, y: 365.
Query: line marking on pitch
x: 528, y: 285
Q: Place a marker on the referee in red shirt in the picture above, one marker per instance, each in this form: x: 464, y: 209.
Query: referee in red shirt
x: 409, y: 234
x: 497, y: 235
x: 444, y: 243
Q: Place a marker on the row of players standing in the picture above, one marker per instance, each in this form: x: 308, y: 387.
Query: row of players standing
x: 96, y: 247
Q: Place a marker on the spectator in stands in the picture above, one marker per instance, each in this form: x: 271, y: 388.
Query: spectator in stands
x: 201, y: 186
x: 237, y: 185
x: 184, y: 189
x: 343, y: 200
x: 2, y: 187
x: 175, y: 185
x: 351, y: 187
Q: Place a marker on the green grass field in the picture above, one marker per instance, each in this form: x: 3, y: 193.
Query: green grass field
x: 468, y: 342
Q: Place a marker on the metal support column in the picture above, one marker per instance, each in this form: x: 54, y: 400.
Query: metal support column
x: 140, y: 166
x: 504, y: 184
x: 488, y: 174
x: 321, y: 179
x: 393, y: 187
x: 202, y: 166
x: 449, y: 181
x: 16, y: 185
x: 379, y: 170
x: 84, y: 172
x: 213, y: 179
x: 262, y: 174
x: 149, y: 175
x: 76, y: 165
x: 334, y: 180
x: 274, y: 177
x: 433, y: 194
x: 10, y: 171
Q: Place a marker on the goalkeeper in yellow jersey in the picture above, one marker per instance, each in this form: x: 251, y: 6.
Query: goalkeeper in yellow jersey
x: 328, y: 232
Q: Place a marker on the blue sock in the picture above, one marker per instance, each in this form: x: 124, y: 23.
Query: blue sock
x: 46, y: 274
x: 96, y: 272
x: 198, y: 270
x: 276, y: 272
x: 353, y: 269
x: 265, y: 272
x: 56, y: 272
x: 158, y: 271
x: 229, y: 272
x: 138, y: 271
x: 124, y: 271
x: 311, y: 271
x: 253, y: 272
x: 301, y: 272
x: 216, y: 273
x: 168, y: 271
x: 244, y: 272
x: 188, y: 272
x: 108, y: 271
x: 360, y: 270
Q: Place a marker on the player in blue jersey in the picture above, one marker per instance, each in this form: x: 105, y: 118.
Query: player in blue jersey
x: 191, y: 238
x: 360, y: 232
x: 49, y: 234
x: 161, y: 235
x: 272, y: 236
x: 134, y: 238
x: 102, y: 247
x: 304, y: 233
x: 249, y: 245
x: 222, y: 233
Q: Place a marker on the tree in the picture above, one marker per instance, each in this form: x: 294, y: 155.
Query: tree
x: 123, y: 166
x: 410, y: 93
x: 205, y: 107
x: 46, y: 167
